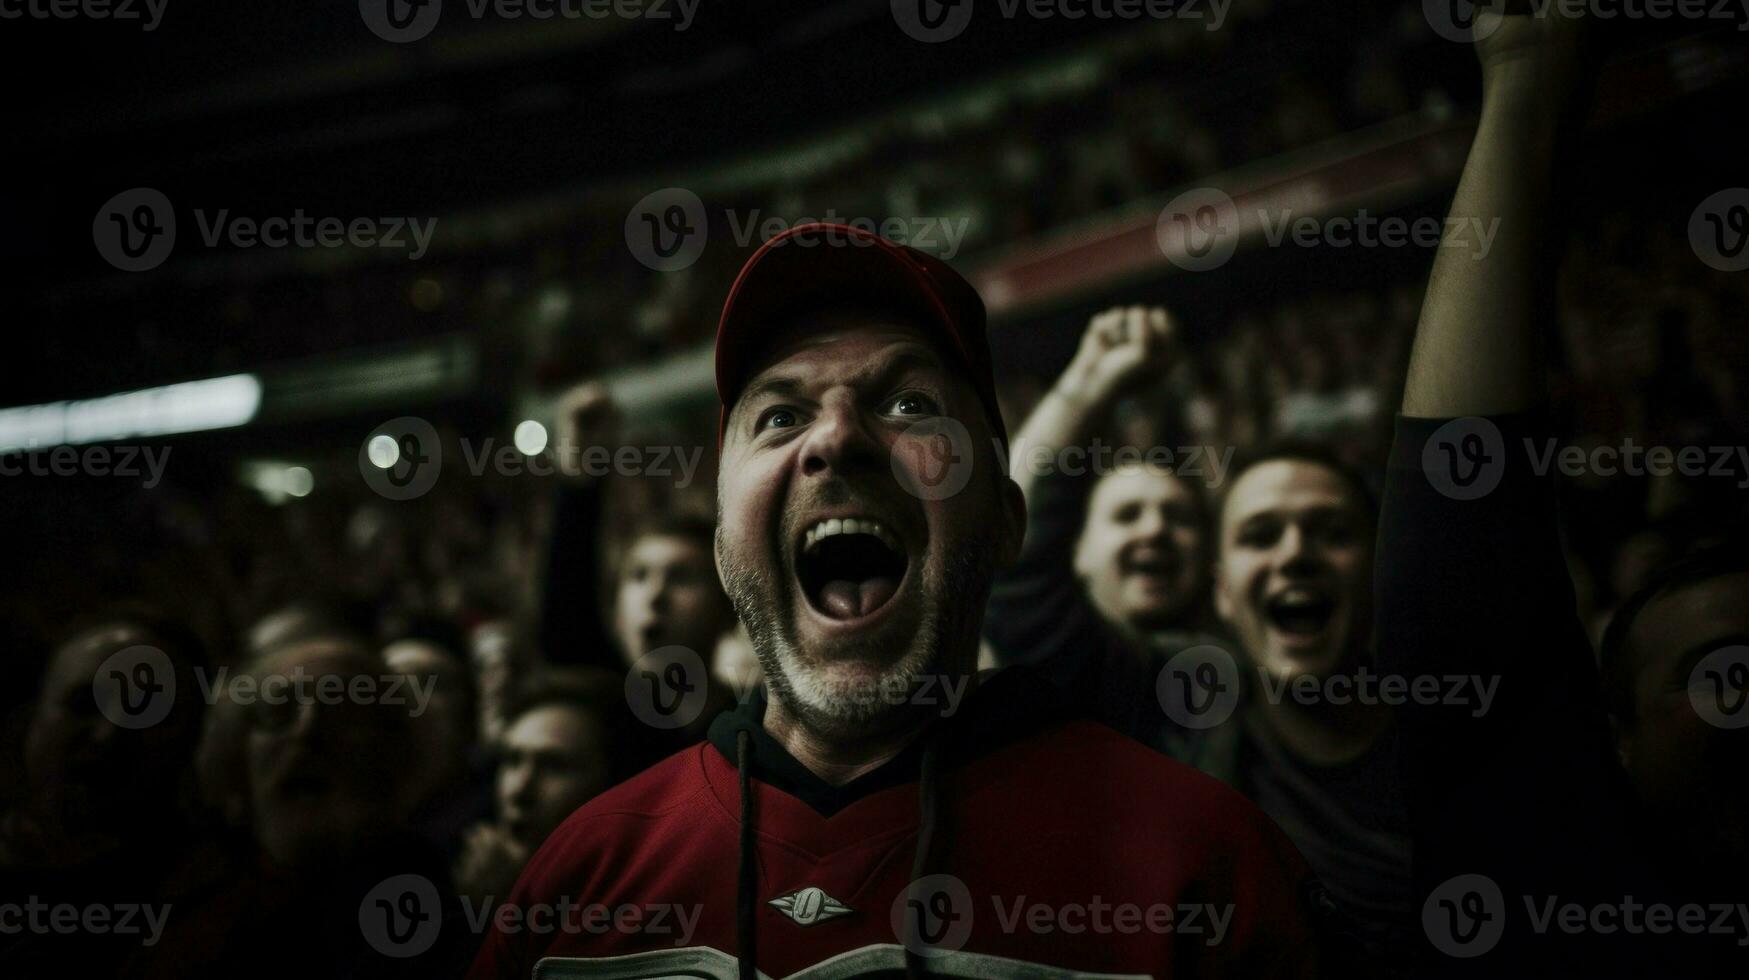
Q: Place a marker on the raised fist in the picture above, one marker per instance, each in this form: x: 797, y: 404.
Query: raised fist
x: 1120, y: 347
x: 586, y: 416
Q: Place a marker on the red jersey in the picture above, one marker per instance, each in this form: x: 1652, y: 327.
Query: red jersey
x: 1055, y: 850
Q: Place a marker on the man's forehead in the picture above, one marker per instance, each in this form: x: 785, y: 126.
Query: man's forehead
x: 1140, y: 481
x: 1287, y: 485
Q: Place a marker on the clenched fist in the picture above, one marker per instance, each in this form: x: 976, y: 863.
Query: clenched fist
x: 1121, y: 346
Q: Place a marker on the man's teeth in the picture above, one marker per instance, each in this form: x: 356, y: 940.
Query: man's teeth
x: 850, y: 525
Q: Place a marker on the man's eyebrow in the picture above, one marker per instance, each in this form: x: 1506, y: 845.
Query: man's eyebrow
x: 907, y: 356
x: 781, y: 385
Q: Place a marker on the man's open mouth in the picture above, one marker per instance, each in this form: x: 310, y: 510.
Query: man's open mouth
x: 1300, y: 612
x: 850, y: 567
x: 1150, y: 561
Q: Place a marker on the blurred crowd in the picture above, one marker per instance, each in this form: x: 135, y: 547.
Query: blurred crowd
x: 514, y: 609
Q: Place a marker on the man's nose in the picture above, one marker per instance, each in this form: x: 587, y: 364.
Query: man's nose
x: 518, y: 781
x: 1298, y: 553
x: 838, y: 439
x: 1151, y: 524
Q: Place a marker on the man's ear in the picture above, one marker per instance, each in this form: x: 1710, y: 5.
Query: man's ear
x: 1013, y: 520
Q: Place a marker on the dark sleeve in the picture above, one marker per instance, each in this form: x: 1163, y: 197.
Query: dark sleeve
x: 572, y: 630
x: 1038, y: 613
x: 1523, y: 788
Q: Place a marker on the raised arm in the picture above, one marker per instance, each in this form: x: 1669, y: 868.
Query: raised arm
x: 1037, y: 611
x: 1120, y: 348
x: 1479, y: 347
x: 572, y: 630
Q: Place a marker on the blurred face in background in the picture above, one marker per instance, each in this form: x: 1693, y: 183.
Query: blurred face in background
x: 668, y: 595
x: 554, y: 760
x: 443, y: 734
x: 85, y: 771
x: 1141, y: 554
x: 324, y: 779
x: 1687, y: 767
x: 1295, y: 574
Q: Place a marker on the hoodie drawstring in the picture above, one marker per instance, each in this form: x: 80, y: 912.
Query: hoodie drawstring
x: 929, y: 803
x: 747, y: 879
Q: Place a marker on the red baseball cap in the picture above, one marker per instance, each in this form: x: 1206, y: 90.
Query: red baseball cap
x: 820, y: 265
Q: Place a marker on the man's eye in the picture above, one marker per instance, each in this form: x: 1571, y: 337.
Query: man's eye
x: 1259, y: 536
x: 776, y: 418
x: 913, y: 403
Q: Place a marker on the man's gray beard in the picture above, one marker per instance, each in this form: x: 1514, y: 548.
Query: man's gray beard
x: 945, y: 644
